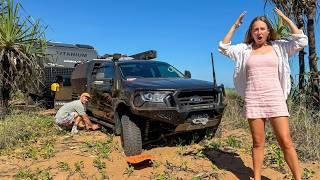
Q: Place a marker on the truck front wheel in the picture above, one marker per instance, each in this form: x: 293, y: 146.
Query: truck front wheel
x: 117, y: 124
x: 130, y: 136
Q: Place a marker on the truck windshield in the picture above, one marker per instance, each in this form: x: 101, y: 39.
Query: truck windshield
x: 149, y: 70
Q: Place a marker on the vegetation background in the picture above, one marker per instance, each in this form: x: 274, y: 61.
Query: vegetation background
x: 31, y: 135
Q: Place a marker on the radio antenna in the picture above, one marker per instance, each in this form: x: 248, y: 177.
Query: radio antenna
x: 213, y: 72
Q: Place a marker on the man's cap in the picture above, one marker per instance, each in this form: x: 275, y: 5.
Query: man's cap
x: 86, y: 94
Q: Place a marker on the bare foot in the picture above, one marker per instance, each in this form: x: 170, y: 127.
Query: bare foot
x: 81, y: 125
x: 94, y: 127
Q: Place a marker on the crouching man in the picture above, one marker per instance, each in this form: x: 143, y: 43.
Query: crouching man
x: 73, y: 114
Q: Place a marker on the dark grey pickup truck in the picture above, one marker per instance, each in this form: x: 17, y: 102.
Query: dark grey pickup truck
x: 144, y: 100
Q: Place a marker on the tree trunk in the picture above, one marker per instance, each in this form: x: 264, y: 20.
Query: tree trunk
x: 4, y: 99
x: 301, y: 72
x: 300, y: 24
x: 314, y: 75
x: 2, y: 105
x: 4, y: 88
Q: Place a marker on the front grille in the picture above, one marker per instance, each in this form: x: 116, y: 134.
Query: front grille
x: 201, y: 99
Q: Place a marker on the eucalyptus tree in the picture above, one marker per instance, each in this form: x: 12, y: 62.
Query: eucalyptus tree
x: 303, y: 12
x: 22, y: 43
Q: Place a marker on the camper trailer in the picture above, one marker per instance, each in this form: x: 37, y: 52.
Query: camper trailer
x: 60, y: 61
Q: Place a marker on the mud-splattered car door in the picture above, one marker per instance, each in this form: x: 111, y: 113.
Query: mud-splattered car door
x: 102, y: 91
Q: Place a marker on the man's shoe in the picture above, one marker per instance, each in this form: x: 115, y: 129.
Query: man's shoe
x: 74, y: 129
x: 59, y: 128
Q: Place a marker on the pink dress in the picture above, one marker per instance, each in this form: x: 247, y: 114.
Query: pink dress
x: 263, y: 95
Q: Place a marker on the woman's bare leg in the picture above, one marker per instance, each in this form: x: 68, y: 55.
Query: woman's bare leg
x: 257, y: 127
x: 280, y: 126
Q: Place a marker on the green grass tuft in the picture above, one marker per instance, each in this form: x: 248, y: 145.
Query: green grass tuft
x: 23, y: 129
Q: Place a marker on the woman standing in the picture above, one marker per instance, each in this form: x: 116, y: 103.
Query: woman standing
x: 262, y: 78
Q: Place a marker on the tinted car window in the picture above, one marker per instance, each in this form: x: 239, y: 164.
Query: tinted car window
x: 149, y: 70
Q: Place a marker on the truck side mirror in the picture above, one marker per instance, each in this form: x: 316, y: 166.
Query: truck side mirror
x: 187, y: 74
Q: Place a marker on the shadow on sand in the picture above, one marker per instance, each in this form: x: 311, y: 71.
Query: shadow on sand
x: 231, y: 162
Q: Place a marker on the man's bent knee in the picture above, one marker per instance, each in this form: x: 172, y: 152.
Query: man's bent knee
x: 74, y: 114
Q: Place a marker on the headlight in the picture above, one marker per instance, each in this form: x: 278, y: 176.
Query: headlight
x: 149, y: 96
x: 153, y: 96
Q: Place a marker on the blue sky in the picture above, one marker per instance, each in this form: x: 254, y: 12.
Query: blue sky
x: 184, y: 32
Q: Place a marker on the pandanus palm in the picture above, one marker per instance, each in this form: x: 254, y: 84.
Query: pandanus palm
x: 21, y: 44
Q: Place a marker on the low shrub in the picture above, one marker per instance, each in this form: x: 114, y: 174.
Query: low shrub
x: 24, y: 128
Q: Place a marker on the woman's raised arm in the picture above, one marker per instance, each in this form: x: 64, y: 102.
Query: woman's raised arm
x: 294, y: 29
x: 237, y: 24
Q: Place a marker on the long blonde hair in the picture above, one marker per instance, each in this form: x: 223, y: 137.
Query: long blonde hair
x: 272, y: 36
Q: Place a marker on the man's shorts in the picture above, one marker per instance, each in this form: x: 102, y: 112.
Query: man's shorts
x: 67, y: 120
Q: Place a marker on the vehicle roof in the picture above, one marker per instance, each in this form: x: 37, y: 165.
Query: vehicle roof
x: 57, y: 44
x: 140, y: 61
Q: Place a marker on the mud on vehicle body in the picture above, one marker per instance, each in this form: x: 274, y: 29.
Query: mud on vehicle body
x: 144, y: 100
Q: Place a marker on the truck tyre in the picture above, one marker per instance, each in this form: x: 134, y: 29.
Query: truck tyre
x: 117, y: 124
x: 130, y: 136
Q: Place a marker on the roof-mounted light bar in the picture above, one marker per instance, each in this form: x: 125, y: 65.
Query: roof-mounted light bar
x: 116, y: 56
x: 151, y: 54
